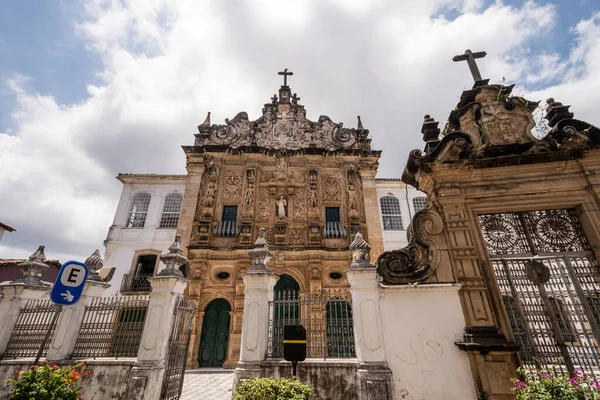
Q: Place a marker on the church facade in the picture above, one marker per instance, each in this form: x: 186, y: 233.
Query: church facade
x: 497, y: 269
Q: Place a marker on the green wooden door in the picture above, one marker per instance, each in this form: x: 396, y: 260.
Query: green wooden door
x: 215, y: 334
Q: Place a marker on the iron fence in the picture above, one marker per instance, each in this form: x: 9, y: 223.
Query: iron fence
x: 326, y: 315
x: 31, y: 328
x: 178, y: 349
x: 112, y: 327
x: 136, y: 283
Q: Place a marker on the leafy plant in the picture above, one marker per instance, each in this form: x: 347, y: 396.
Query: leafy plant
x: 537, y: 385
x: 272, y: 389
x: 48, y: 382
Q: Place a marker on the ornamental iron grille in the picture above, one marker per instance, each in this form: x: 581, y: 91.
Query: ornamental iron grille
x: 31, y: 328
x: 177, y: 352
x: 326, y: 315
x: 550, y: 287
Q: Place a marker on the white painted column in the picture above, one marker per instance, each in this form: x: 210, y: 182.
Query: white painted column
x: 70, y: 320
x: 259, y: 281
x: 374, y: 378
x: 147, y: 376
x: 255, y: 326
x: 367, y: 318
x: 15, y: 296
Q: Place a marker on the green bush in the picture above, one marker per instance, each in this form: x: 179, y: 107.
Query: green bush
x: 48, y: 382
x: 272, y: 389
x: 538, y: 385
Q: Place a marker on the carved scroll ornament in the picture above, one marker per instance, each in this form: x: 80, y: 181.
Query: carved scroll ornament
x: 417, y: 261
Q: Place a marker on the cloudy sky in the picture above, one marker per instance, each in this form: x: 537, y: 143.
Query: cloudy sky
x: 90, y: 89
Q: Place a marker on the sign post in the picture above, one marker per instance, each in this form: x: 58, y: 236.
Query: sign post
x: 294, y: 345
x: 66, y: 291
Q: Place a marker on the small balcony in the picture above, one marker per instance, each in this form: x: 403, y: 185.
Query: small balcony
x: 227, y: 229
x: 136, y: 283
x: 334, y: 230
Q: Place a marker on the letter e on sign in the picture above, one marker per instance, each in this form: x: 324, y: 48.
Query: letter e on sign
x: 73, y: 275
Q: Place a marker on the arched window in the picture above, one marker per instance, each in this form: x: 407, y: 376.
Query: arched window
x: 138, y: 210
x: 390, y: 212
x: 170, y: 214
x: 419, y: 203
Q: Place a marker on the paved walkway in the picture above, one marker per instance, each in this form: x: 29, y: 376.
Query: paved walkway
x: 207, y: 384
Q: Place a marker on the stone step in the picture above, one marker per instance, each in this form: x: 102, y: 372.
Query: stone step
x: 209, y: 371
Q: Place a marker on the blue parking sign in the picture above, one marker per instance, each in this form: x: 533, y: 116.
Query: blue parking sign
x: 69, y: 283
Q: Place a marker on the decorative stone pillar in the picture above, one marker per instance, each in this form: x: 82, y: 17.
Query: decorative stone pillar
x: 167, y: 287
x: 259, y: 281
x: 18, y: 292
x: 195, y: 168
x: 372, y: 215
x: 70, y: 319
x: 373, y: 376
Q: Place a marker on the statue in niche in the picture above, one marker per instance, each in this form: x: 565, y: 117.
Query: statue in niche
x: 312, y: 198
x: 282, y: 168
x: 249, y: 199
x: 352, y: 197
x: 210, y: 194
x: 281, y: 204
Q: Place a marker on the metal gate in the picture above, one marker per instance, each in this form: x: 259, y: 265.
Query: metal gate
x: 326, y: 315
x: 550, y: 286
x: 178, y: 349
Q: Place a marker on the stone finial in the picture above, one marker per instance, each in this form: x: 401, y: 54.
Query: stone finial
x: 557, y: 112
x: 94, y: 263
x: 360, y: 126
x: 430, y: 129
x: 360, y: 249
x: 205, y: 126
x: 260, y: 254
x: 32, y: 269
x: 174, y: 260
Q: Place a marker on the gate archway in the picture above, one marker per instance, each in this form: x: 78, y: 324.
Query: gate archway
x: 547, y: 276
x: 215, y: 334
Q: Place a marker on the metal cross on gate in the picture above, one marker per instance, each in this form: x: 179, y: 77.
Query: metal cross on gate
x: 285, y: 74
x: 470, y: 57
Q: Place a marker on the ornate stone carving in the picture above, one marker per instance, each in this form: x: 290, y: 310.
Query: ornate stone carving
x: 33, y: 268
x: 94, y: 263
x: 360, y: 249
x: 173, y: 260
x: 232, y: 185
x: 332, y: 187
x: 249, y: 193
x: 413, y: 263
x: 299, y: 205
x: 264, y: 205
x: 260, y: 254
x: 297, y: 236
x: 283, y: 125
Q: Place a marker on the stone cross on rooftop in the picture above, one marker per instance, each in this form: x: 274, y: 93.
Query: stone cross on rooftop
x: 285, y: 74
x: 470, y: 57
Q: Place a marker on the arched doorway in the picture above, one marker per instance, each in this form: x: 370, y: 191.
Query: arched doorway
x: 215, y: 334
x: 286, y: 282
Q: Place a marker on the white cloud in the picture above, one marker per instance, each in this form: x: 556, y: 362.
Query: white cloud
x: 167, y: 63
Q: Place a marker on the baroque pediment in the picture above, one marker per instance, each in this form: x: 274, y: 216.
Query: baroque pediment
x: 283, y: 126
x: 491, y: 128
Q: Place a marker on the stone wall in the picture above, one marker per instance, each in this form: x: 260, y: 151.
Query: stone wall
x: 420, y: 326
x: 109, y: 379
x: 330, y: 379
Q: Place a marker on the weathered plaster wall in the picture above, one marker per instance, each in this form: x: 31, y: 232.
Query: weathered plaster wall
x: 109, y: 379
x: 420, y: 326
x: 332, y: 380
x: 122, y: 242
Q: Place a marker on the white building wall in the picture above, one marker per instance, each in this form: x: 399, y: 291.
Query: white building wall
x: 420, y: 326
x: 122, y: 243
x: 393, y: 240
